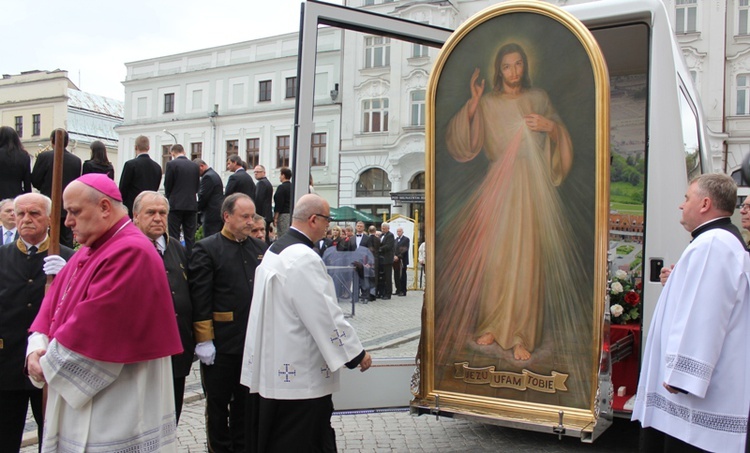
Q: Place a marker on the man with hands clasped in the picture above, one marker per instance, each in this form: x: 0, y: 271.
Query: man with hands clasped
x: 22, y: 279
x: 221, y: 274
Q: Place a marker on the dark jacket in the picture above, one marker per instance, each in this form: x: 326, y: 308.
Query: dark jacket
x: 182, y: 179
x: 321, y: 248
x: 240, y: 181
x: 210, y: 197
x: 387, y: 248
x: 138, y: 174
x: 15, y: 173
x: 91, y: 166
x: 403, y: 249
x: 221, y: 274
x: 22, y: 283
x: 263, y: 199
x: 175, y: 263
x: 282, y: 199
x: 41, y: 176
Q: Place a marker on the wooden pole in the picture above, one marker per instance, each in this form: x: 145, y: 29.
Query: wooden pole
x: 57, y: 168
x: 54, y: 224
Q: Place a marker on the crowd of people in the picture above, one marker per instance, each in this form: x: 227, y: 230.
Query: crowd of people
x: 112, y: 349
x: 365, y: 262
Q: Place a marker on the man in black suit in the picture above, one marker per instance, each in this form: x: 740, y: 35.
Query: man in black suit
x: 182, y: 180
x: 139, y: 174
x: 150, y: 213
x: 210, y: 197
x: 22, y: 280
x: 221, y: 273
x: 401, y: 261
x: 263, y: 195
x: 41, y: 178
x: 8, y: 230
x: 386, y: 252
x: 240, y: 181
x: 282, y: 201
x: 321, y: 245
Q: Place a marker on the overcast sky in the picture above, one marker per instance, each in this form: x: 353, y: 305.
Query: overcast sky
x: 95, y: 38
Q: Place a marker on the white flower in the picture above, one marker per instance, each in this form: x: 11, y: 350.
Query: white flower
x: 621, y: 274
x: 616, y: 310
x: 616, y: 288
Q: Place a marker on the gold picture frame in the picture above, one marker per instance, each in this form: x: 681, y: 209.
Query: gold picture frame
x: 517, y: 207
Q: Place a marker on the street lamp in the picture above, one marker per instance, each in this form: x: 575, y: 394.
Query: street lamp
x: 171, y: 135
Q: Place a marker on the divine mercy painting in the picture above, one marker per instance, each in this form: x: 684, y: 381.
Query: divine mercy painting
x: 515, y: 201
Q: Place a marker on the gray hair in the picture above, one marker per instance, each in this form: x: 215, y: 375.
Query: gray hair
x: 4, y: 202
x: 148, y: 193
x: 46, y: 201
x: 720, y: 188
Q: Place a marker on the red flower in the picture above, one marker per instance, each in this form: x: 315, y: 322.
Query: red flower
x: 632, y: 298
x: 638, y: 286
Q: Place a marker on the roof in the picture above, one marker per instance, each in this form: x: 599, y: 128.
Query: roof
x: 95, y: 103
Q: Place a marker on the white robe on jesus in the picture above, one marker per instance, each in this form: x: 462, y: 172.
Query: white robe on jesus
x: 297, y: 337
x: 95, y: 406
x: 698, y: 343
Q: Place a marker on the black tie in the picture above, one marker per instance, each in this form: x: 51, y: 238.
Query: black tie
x: 359, y: 235
x: 32, y: 250
x: 156, y: 246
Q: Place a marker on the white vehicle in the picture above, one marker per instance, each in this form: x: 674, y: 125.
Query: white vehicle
x: 656, y: 125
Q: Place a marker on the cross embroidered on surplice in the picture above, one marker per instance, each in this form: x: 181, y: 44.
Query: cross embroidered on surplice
x: 337, y: 337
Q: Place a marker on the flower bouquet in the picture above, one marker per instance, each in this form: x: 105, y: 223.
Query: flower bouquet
x: 624, y: 299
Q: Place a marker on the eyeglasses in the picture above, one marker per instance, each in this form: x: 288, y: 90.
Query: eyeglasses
x: 328, y: 218
x: 744, y: 207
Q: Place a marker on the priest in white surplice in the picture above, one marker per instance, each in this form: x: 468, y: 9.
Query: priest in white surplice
x: 693, y: 392
x: 104, y: 334
x: 297, y: 340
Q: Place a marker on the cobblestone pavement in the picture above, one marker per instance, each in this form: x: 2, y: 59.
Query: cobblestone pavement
x: 390, y: 328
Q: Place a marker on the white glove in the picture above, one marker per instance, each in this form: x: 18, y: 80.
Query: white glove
x: 206, y: 352
x: 53, y: 264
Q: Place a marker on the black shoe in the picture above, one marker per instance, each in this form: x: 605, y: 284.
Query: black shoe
x: 386, y: 297
x: 401, y: 294
x: 371, y: 298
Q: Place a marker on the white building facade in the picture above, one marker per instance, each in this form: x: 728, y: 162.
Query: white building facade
x: 234, y: 99
x: 370, y: 99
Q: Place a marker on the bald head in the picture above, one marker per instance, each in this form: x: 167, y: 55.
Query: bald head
x: 310, y: 216
x: 91, y: 213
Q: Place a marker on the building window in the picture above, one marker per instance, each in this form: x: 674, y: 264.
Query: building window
x: 169, y: 103
x: 165, y: 157
x: 743, y: 94
x: 282, y: 151
x: 197, y: 99
x: 141, y: 107
x: 233, y: 148
x: 377, y: 51
x: 686, y: 17
x: 375, y: 115
x: 318, y: 149
x: 19, y: 126
x: 253, y: 152
x: 264, y: 89
x: 196, y: 151
x: 742, y: 28
x: 374, y: 183
x: 36, y: 124
x: 238, y: 94
x: 291, y: 87
x: 417, y: 108
x: 369, y: 2
x: 418, y: 51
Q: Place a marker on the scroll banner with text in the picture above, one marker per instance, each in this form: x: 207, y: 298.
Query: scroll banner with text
x: 507, y: 379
